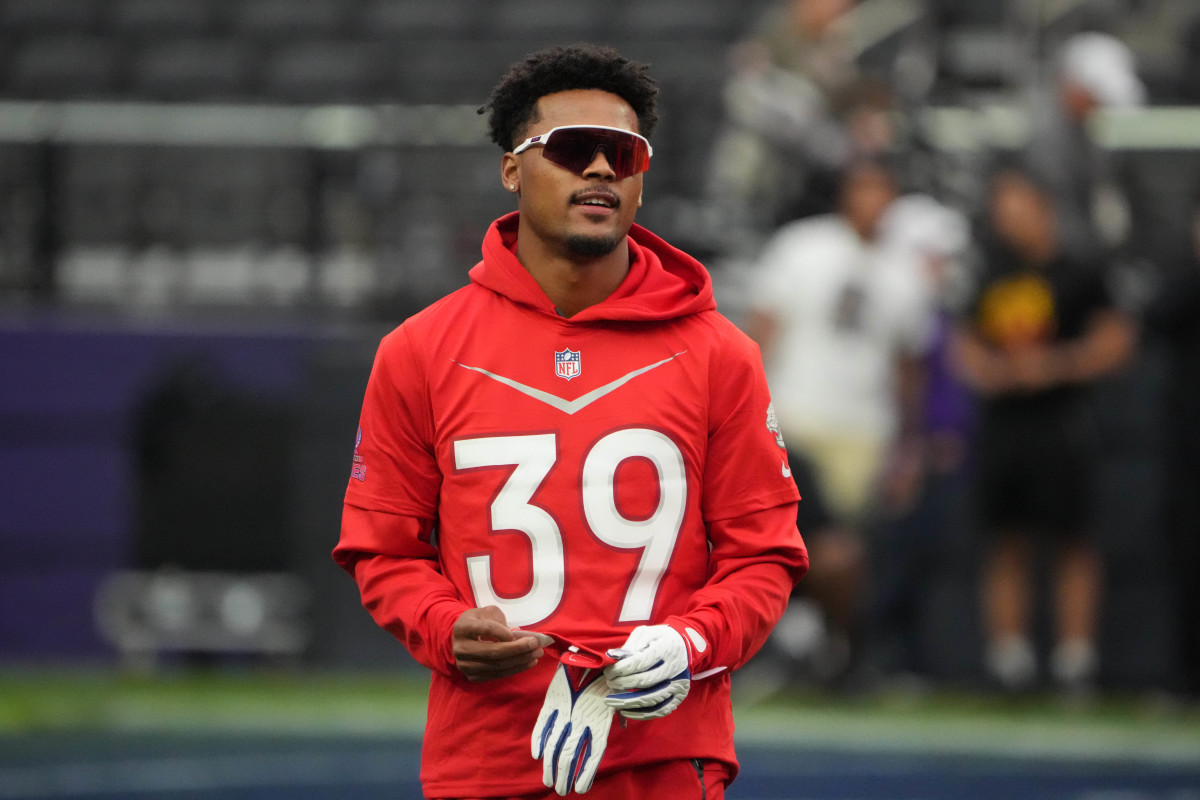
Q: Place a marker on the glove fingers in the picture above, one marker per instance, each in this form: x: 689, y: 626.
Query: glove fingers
x: 635, y: 678
x: 566, y: 760
x: 554, y: 709
x: 554, y: 773
x: 641, y: 698
x: 549, y: 773
x: 634, y: 663
x: 651, y: 654
x: 572, y: 731
x: 542, y: 731
x: 587, y: 772
x: 647, y: 681
x: 661, y: 710
x: 594, y: 736
x: 583, y: 767
x: 640, y: 637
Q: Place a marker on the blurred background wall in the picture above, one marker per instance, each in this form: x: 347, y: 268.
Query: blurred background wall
x: 211, y: 210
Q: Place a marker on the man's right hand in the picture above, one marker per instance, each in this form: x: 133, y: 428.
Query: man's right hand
x: 485, y: 647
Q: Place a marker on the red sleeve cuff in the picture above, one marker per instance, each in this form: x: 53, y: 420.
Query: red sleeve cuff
x: 698, y: 646
x: 440, y: 618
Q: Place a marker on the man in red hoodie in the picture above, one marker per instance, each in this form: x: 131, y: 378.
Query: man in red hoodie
x: 569, y: 497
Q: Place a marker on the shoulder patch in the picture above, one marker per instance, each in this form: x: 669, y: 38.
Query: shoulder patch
x: 359, y: 470
x: 773, y: 425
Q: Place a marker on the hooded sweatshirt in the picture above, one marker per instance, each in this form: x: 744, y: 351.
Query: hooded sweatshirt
x: 586, y: 475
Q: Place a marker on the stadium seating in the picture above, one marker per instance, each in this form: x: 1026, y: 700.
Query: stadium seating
x: 99, y: 190
x: 66, y: 66
x: 392, y: 54
x: 402, y: 20
x: 194, y: 69
x: 289, y: 19
x: 683, y: 19
x: 321, y: 71
x: 445, y: 72
x: 545, y: 22
x: 152, y: 19
x: 21, y: 215
x: 28, y: 18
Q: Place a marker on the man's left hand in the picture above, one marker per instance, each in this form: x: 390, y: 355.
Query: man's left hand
x: 652, y: 675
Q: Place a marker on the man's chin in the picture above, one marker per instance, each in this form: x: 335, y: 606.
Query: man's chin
x: 582, y: 246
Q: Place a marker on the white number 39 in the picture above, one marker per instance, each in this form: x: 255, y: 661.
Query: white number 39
x: 533, y: 457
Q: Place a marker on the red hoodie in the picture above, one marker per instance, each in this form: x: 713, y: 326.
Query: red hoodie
x: 586, y: 474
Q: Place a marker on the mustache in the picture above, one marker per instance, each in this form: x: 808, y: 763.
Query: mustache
x: 599, y: 189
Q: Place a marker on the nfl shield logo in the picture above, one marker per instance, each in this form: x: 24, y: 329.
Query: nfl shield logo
x: 567, y: 364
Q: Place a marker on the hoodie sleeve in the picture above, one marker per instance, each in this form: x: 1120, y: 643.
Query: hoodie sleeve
x: 750, y: 502
x: 390, y: 512
x: 400, y: 581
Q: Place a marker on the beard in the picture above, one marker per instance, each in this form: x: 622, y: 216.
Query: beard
x: 591, y: 246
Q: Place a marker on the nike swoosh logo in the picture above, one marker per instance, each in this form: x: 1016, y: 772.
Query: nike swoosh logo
x: 786, y: 470
x: 579, y: 403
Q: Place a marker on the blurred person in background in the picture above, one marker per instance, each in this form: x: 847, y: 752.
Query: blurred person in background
x: 576, y: 443
x: 843, y: 318
x: 1090, y: 72
x: 920, y: 534
x: 1041, y: 329
x: 797, y: 110
x: 1174, y: 315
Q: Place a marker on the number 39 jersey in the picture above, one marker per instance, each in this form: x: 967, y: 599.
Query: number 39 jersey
x: 585, y: 475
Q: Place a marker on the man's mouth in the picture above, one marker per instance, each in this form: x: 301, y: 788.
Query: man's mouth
x: 596, y: 199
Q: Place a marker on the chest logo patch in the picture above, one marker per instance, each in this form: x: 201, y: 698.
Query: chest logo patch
x: 579, y: 403
x: 567, y: 364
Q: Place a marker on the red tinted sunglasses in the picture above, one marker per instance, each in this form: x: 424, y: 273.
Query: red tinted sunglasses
x: 574, y: 148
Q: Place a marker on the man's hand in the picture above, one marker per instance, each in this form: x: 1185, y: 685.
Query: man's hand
x: 485, y: 647
x: 652, y: 675
x: 572, y: 729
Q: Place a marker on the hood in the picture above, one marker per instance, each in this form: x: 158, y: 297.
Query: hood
x: 663, y: 282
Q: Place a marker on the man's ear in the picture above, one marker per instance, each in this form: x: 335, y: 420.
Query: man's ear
x: 510, y: 173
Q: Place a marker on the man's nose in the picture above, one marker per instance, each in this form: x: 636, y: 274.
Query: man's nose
x: 599, y: 167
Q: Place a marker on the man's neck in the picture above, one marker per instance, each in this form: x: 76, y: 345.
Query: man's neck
x: 573, y: 284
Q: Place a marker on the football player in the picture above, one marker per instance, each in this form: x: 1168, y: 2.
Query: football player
x: 569, y: 498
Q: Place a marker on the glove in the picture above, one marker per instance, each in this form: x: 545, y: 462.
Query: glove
x: 571, y: 731
x: 652, y: 675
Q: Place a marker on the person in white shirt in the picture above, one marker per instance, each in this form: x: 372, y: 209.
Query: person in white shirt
x: 844, y: 316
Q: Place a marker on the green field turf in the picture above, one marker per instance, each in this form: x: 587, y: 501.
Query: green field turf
x: 319, y: 704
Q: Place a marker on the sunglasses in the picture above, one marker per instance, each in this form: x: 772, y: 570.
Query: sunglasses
x: 574, y: 148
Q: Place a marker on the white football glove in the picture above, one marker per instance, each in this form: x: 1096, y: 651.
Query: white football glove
x: 572, y: 729
x: 652, y: 675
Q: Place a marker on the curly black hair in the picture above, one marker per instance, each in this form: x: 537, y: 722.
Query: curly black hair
x: 513, y: 102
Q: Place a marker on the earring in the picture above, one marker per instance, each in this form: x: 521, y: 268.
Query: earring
x: 512, y: 187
